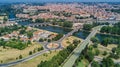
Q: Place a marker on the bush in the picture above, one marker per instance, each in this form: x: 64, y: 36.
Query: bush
x: 39, y: 49
x: 20, y: 57
x: 30, y: 52
x: 94, y: 39
x: 49, y: 40
x: 41, y: 40
x: 87, y: 27
x: 58, y: 37
x: 105, y: 53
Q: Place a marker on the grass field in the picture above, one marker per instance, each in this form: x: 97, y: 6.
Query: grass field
x: 66, y: 42
x: 10, y: 54
x: 35, y: 61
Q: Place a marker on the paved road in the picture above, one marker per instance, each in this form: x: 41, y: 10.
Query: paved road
x: 81, y: 46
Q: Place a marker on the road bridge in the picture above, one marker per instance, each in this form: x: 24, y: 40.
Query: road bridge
x: 38, y: 24
x: 77, y: 51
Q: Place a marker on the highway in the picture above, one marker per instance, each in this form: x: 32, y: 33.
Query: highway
x: 76, y: 53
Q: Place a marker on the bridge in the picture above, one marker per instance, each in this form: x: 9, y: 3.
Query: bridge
x: 18, y: 19
x: 38, y: 24
x: 77, y: 51
x: 98, y: 21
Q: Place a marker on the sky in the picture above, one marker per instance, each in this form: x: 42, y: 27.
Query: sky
x: 59, y: 0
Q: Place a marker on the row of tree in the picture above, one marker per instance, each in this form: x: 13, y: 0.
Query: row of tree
x: 58, y: 59
x: 57, y: 37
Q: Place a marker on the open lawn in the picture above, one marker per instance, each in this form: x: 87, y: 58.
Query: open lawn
x: 66, y: 42
x: 11, y: 54
x: 35, y: 61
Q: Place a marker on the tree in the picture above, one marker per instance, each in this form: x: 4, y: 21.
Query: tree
x: 87, y: 27
x: 95, y: 64
x: 90, y: 56
x: 30, y: 52
x: 29, y: 34
x: 95, y: 45
x: 117, y: 65
x: 107, y: 62
x: 40, y: 48
x: 20, y: 57
x: 104, y: 53
x: 114, y: 49
x: 76, y: 42
x: 49, y: 40
x: 105, y: 42
x: 22, y: 31
x: 97, y: 52
x: 39, y: 20
x: 5, y: 19
x: 67, y: 24
x: 41, y: 40
x: 94, y: 39
x: 29, y: 42
x: 57, y: 37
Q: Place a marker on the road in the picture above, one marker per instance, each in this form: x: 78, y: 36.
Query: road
x: 76, y: 53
